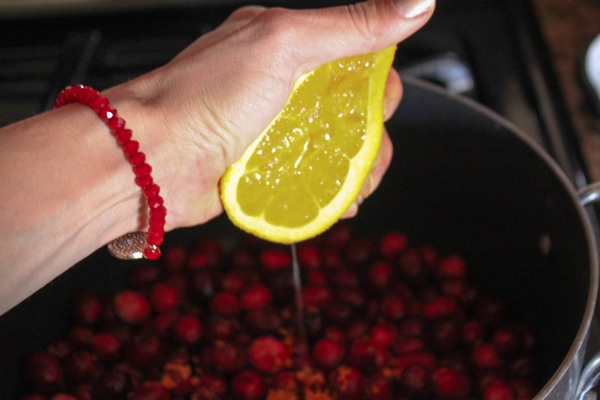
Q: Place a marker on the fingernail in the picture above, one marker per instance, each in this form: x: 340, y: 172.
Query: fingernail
x: 413, y: 8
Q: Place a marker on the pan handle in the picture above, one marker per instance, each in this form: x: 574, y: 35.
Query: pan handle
x: 590, y: 375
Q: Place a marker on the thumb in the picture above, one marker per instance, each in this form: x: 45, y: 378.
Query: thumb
x: 328, y: 34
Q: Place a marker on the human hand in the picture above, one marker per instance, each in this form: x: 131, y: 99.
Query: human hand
x: 210, y: 103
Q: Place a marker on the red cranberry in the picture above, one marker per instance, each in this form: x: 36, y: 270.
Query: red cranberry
x: 473, y: 333
x: 106, y: 346
x: 339, y: 236
x: 416, y: 379
x: 384, y: 334
x: 316, y: 296
x: 348, y: 383
x: 225, y: 357
x: 144, y: 276
x: 62, y: 396
x: 210, y: 387
x: 81, y: 366
x: 328, y: 353
x: 485, y: 356
x: 345, y: 278
x: 233, y: 282
x: 80, y: 336
x: 498, y: 390
x: 131, y: 306
x: 378, y: 387
x: 174, y: 257
x: 393, y: 306
x: 413, y: 269
x: 455, y: 288
x: 412, y: 326
x: 60, y: 348
x: 88, y: 308
x: 83, y: 391
x: 359, y: 251
x: 187, y: 329
x: 43, y: 371
x: 164, y: 297
x: 392, y: 243
x: 438, y: 307
x: 445, y: 334
x: 225, y: 303
x: 248, y: 385
x: 506, y: 340
x: 452, y: 266
x: 162, y: 323
x: 256, y: 297
x: 150, y: 391
x: 362, y: 353
x: 275, y: 258
x: 380, y: 274
x: 212, y: 248
x: 112, y: 385
x: 144, y: 351
x: 202, y: 284
x: 332, y: 260
x: 263, y: 321
x: 219, y: 328
x: 407, y: 345
x: 450, y: 384
x: 309, y: 256
x: 269, y: 354
x: 243, y: 258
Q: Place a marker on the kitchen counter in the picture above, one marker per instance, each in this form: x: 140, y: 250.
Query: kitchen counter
x: 568, y: 26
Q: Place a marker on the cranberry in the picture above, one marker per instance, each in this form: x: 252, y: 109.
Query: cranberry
x: 162, y: 323
x: 233, y: 282
x: 60, y: 348
x: 473, y: 333
x: 485, y: 356
x: 174, y: 257
x: 150, y: 391
x: 316, y: 296
x: 106, y: 346
x: 256, y: 297
x: 384, y: 334
x: 378, y: 387
x: 225, y: 357
x: 393, y: 306
x: 413, y: 269
x: 88, y: 308
x: 211, y: 387
x: 450, y: 384
x: 452, y: 266
x: 202, y: 284
x: 445, y: 335
x: 112, y: 385
x: 81, y: 366
x: 359, y: 251
x: 339, y: 236
x: 348, y: 383
x: 380, y: 274
x: 328, y: 353
x: 212, y: 248
x: 248, y: 385
x: 219, y: 328
x: 81, y: 336
x: 506, y: 340
x: 62, y: 396
x: 131, y: 306
x: 438, y: 307
x: 392, y: 243
x: 362, y: 353
x: 144, y: 351
x: 407, y: 345
x: 269, y: 354
x: 416, y: 379
x: 498, y: 390
x: 309, y: 256
x: 225, y: 303
x: 275, y: 258
x: 44, y: 372
x: 263, y: 321
x: 144, y: 276
x: 164, y: 297
x: 187, y: 329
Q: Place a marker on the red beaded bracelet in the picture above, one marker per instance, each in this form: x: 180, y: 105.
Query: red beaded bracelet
x: 136, y: 244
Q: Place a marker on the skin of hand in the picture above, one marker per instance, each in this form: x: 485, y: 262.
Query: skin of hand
x: 193, y: 117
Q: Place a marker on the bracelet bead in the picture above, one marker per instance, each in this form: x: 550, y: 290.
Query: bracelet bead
x: 132, y: 244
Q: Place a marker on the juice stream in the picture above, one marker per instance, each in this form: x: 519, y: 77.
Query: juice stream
x: 300, y: 317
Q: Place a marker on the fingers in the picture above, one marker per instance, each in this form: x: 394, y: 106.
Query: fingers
x: 314, y: 37
x: 392, y: 95
x: 381, y: 164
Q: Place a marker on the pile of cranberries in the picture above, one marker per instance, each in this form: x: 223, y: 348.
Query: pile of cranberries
x: 382, y: 320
